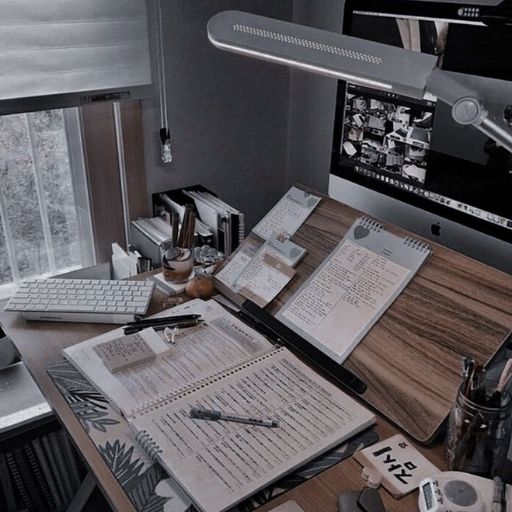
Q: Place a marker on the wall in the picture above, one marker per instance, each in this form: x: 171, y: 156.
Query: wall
x: 228, y: 114
x: 312, y: 104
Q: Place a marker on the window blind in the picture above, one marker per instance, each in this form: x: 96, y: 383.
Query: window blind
x: 68, y: 52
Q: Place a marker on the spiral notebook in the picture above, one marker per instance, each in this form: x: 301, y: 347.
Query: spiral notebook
x: 353, y: 287
x: 226, y: 365
x: 220, y: 463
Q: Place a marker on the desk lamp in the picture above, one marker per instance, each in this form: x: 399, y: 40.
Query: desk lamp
x: 356, y: 60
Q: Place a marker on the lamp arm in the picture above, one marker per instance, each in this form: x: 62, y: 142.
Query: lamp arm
x: 467, y: 108
x: 356, y: 60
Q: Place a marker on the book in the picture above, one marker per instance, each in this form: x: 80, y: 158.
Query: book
x: 71, y: 461
x: 6, y: 485
x: 346, y: 295
x: 18, y: 480
x: 29, y: 480
x: 227, y: 365
x: 46, y: 468
x: 54, y: 469
x: 175, y: 201
x: 37, y: 471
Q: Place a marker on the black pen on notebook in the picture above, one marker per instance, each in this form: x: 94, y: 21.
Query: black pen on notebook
x: 182, y: 324
x: 208, y: 414
x: 163, y: 319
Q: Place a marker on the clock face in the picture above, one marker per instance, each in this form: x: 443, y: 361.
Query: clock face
x: 460, y: 493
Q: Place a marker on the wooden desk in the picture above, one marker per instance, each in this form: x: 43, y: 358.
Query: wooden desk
x: 41, y: 343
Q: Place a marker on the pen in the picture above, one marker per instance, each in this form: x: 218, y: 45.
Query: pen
x: 208, y: 414
x: 163, y: 319
x: 132, y: 329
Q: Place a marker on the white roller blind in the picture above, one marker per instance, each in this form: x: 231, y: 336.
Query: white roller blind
x: 76, y: 49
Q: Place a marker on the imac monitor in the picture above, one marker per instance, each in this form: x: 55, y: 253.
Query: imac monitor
x: 405, y: 160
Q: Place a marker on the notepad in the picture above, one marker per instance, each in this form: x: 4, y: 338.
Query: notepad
x: 339, y: 303
x: 125, y: 352
x: 288, y: 215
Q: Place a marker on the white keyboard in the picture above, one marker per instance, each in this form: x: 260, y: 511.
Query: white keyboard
x: 82, y: 300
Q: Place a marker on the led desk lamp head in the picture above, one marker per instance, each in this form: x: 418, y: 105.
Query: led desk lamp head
x: 356, y: 60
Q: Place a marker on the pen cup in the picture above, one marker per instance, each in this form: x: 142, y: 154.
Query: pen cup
x: 177, y: 263
x: 478, y: 437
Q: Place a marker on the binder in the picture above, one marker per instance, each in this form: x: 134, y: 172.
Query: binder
x: 222, y: 217
x: 174, y: 201
x: 219, y: 224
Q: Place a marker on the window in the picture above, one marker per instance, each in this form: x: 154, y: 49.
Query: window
x: 45, y: 221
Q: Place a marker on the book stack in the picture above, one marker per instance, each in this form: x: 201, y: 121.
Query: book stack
x: 42, y: 475
x: 226, y: 223
x: 218, y: 223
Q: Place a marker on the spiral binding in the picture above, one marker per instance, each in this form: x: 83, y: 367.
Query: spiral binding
x: 416, y: 244
x: 158, y: 403
x: 371, y: 224
x: 148, y: 444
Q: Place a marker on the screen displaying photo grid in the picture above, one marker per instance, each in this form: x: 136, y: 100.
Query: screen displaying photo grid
x: 385, y: 135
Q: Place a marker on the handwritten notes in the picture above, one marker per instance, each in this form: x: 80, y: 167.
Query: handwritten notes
x: 264, y: 278
x: 347, y: 294
x: 259, y: 274
x: 229, y: 274
x: 337, y: 305
x: 124, y: 352
x: 288, y: 214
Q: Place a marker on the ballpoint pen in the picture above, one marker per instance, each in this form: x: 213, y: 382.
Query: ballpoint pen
x: 163, y: 319
x: 199, y: 413
x: 182, y: 324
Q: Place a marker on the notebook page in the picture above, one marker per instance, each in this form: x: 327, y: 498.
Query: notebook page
x: 288, y: 215
x: 338, y: 304
x: 222, y: 342
x: 220, y: 463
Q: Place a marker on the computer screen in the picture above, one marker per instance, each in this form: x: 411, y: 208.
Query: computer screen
x: 392, y: 151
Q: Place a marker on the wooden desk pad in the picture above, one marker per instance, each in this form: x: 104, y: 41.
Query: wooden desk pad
x: 411, y: 359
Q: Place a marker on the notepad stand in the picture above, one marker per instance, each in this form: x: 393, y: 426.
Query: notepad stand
x: 410, y: 360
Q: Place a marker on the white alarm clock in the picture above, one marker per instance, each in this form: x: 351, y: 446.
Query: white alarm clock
x: 453, y: 491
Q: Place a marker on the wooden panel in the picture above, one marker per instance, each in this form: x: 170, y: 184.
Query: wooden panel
x: 131, y: 119
x: 102, y: 164
x: 410, y: 360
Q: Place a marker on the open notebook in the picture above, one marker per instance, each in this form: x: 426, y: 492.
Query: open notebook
x: 223, y: 364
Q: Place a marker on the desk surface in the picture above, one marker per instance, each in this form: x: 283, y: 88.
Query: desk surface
x: 41, y: 343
